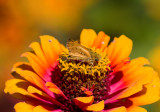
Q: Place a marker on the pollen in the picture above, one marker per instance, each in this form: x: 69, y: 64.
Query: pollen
x: 71, y: 67
x: 78, y: 74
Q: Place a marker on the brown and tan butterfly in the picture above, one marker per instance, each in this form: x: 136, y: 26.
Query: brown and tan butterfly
x: 79, y: 52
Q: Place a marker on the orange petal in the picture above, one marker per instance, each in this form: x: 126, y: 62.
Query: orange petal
x: 83, y: 101
x: 138, y: 62
x: 132, y: 71
x: 119, y: 49
x: 101, y: 41
x: 95, y: 107
x: 98, y: 40
x: 22, y: 65
x: 38, y: 50
x: 87, y: 37
x: 11, y: 87
x: 118, y: 109
x: 34, y: 79
x: 136, y: 87
x: 144, y: 74
x: 89, y: 93
x: 16, y: 65
x: 132, y: 65
x: 63, y: 48
x: 34, y: 90
x: 136, y: 81
x: 17, y: 88
x: 136, y: 109
x: 52, y: 87
x: 23, y: 107
x: 26, y: 107
x: 36, y: 64
x: 31, y: 77
x: 134, y: 84
x: 40, y: 108
x: 152, y: 93
x: 51, y: 48
x: 86, y: 91
x: 83, y: 89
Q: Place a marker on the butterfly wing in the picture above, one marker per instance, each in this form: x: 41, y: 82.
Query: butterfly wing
x: 77, y: 50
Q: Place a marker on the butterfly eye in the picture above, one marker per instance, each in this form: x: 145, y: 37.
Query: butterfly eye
x: 96, y: 59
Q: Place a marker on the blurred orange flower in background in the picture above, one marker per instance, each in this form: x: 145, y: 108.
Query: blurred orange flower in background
x: 57, y: 14
x: 12, y: 33
x: 154, y: 57
x: 87, y: 76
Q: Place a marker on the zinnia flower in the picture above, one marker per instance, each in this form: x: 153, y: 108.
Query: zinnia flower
x: 89, y: 75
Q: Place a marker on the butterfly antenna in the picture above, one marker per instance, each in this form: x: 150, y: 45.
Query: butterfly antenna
x: 69, y: 40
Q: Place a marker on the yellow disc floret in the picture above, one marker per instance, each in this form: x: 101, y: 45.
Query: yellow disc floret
x: 71, y: 67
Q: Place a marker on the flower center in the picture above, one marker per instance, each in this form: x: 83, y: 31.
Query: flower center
x: 82, y: 72
x: 80, y: 77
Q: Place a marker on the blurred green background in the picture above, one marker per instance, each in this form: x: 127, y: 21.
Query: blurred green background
x: 23, y: 21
